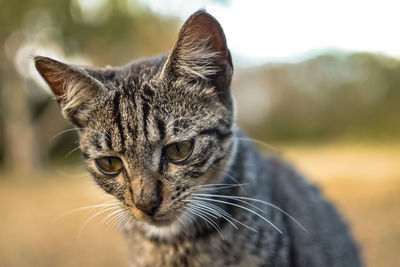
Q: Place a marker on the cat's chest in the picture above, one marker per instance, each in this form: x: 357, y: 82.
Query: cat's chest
x: 196, y: 253
x: 212, y: 250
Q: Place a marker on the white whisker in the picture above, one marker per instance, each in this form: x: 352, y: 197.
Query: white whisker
x: 113, y: 222
x: 238, y: 199
x: 77, y: 129
x: 91, y: 207
x: 220, y: 186
x: 241, y: 199
x: 109, y: 216
x: 92, y: 217
x: 242, y: 207
x: 205, y: 218
x: 228, y: 175
x: 124, y: 221
x: 222, y: 211
x: 72, y: 151
x: 205, y: 212
x: 213, y: 211
x: 266, y: 145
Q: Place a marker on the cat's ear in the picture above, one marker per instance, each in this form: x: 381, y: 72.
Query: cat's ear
x: 73, y: 87
x: 201, y: 52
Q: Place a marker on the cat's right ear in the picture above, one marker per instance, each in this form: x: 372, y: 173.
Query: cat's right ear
x: 73, y: 87
x: 201, y: 53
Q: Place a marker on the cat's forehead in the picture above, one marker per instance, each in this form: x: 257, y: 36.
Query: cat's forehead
x: 150, y: 110
x: 131, y: 76
x: 142, y: 70
x: 143, y: 85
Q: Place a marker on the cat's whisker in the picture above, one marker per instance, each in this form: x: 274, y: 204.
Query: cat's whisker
x: 230, y: 197
x: 210, y: 188
x: 243, y: 200
x: 191, y: 218
x: 224, y: 213
x: 109, y: 216
x: 264, y: 144
x: 227, y: 214
x: 76, y: 175
x: 213, y: 211
x: 119, y: 217
x: 241, y: 207
x: 206, y: 218
x: 182, y: 225
x: 64, y: 131
x: 187, y: 219
x: 124, y: 221
x: 205, y: 211
x: 72, y: 151
x: 85, y: 223
x: 216, y: 185
x: 87, y: 208
x: 207, y: 185
x: 104, y: 131
x: 228, y: 175
x: 122, y: 216
x: 77, y: 129
x: 113, y: 222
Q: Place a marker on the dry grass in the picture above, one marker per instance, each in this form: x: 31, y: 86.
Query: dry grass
x: 33, y: 234
x: 364, y: 181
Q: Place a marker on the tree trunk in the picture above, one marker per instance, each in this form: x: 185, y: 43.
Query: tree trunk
x: 18, y: 132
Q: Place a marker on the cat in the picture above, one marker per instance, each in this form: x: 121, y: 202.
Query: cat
x: 159, y: 135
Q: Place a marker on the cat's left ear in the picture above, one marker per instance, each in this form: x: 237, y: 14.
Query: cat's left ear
x: 201, y: 52
x: 74, y: 88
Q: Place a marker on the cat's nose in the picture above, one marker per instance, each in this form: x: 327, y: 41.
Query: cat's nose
x: 146, y: 195
x: 148, y: 206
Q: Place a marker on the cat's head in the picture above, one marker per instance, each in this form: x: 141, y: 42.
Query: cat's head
x: 153, y: 130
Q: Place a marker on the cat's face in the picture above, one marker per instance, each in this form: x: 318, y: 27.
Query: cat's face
x: 164, y: 137
x: 157, y: 128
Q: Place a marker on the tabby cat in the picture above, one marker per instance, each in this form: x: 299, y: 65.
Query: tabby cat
x: 159, y: 135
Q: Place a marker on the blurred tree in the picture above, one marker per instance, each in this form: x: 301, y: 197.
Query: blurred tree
x: 335, y: 95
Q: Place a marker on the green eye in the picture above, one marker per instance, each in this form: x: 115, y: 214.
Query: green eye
x: 178, y: 151
x: 109, y: 165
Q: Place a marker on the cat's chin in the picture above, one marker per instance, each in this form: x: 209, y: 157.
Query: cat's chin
x: 162, y: 229
x: 161, y: 221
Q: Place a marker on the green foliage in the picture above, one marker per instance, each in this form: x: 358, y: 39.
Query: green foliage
x: 334, y: 95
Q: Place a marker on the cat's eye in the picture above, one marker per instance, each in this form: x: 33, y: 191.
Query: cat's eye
x: 109, y: 165
x: 179, y: 151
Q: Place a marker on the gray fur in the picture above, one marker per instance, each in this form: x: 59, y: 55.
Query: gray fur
x: 134, y: 111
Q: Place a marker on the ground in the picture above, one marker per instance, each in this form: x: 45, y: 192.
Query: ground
x: 362, y: 180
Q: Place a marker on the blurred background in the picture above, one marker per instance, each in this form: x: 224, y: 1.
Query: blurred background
x: 315, y: 81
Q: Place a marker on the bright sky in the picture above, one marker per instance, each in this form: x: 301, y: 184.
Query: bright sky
x: 282, y: 30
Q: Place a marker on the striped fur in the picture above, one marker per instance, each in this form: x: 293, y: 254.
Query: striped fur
x: 204, y: 216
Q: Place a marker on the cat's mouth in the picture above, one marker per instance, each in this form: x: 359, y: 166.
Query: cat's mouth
x: 155, y: 220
